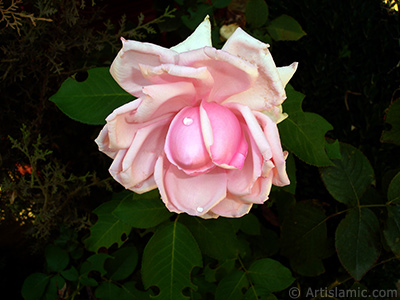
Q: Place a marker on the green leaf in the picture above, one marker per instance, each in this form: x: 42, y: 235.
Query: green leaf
x: 142, y: 211
x: 197, y: 15
x: 122, y: 264
x: 304, y: 135
x: 393, y: 118
x: 392, y: 229
x: 216, y: 238
x: 221, y: 269
x: 333, y: 149
x: 108, y: 291
x: 57, y: 259
x: 85, y: 280
x: 108, y: 228
x: 357, y: 241
x: 93, y: 100
x: 270, y: 275
x: 221, y: 3
x: 34, y: 286
x: 393, y: 194
x: 304, y: 236
x: 231, y: 286
x: 311, y: 267
x: 250, y: 225
x: 258, y: 293
x: 56, y: 283
x: 285, y: 28
x: 130, y: 292
x: 293, y: 102
x: 168, y: 259
x: 349, y: 177
x: 95, y: 263
x: 283, y: 201
x: 257, y: 13
x: 70, y: 274
x: 291, y: 171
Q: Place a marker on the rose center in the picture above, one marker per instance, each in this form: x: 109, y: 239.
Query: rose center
x: 185, y: 146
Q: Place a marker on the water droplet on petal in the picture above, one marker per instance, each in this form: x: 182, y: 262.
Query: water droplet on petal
x: 200, y: 209
x: 187, y: 121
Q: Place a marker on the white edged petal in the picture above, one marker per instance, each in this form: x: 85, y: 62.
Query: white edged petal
x: 200, y: 38
x: 286, y: 73
x: 268, y: 90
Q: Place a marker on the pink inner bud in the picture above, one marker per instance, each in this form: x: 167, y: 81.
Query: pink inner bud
x: 184, y: 145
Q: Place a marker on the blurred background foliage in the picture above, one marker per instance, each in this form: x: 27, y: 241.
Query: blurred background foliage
x: 53, y: 178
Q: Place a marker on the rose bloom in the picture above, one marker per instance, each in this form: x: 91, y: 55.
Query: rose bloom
x: 203, y: 127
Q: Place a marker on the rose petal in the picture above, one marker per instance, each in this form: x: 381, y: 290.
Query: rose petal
x: 194, y: 195
x: 231, y: 74
x: 254, y: 129
x: 184, y: 144
x: 209, y: 215
x: 260, y: 190
x: 268, y: 90
x: 163, y: 99
x: 103, y: 142
x: 286, y: 73
x: 223, y: 136
x: 276, y: 114
x: 145, y: 186
x: 232, y: 207
x: 271, y: 133
x: 199, y: 77
x: 116, y: 165
x: 139, y: 160
x: 240, y: 182
x: 125, y: 67
x: 121, y: 131
x: 201, y: 37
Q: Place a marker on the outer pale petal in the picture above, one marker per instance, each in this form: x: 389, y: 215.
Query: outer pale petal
x: 260, y: 190
x: 104, y: 143
x: 194, y: 195
x: 276, y: 114
x: 125, y: 67
x: 268, y: 90
x: 231, y: 74
x: 138, y: 161
x: 145, y: 186
x: 199, y: 77
x: 201, y: 37
x: 286, y: 73
x: 159, y: 101
x: 271, y: 133
x: 162, y: 99
x: 232, y: 207
x: 121, y: 130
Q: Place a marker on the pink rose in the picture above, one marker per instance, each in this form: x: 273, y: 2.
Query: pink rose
x: 203, y: 127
